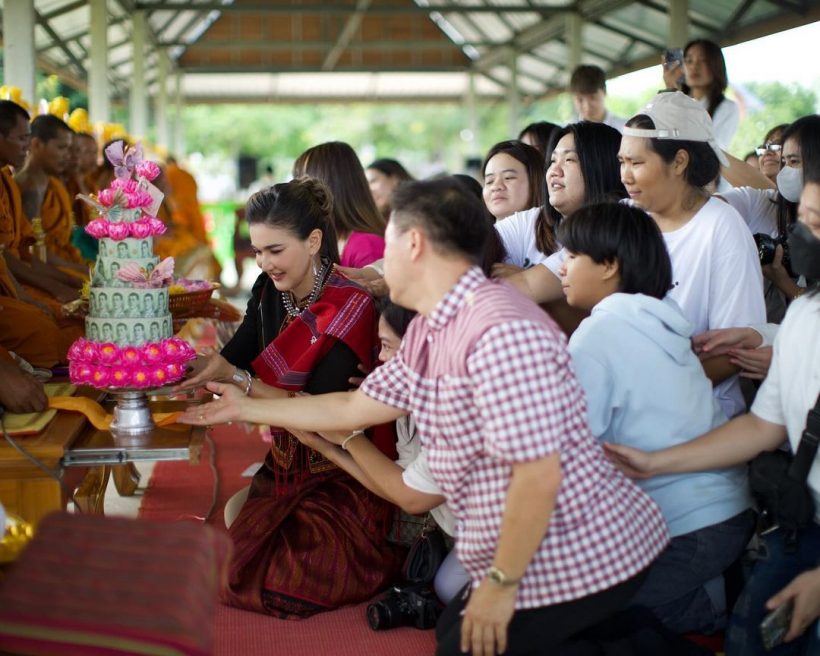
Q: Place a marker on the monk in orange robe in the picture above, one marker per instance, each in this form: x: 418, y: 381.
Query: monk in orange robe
x: 27, y: 325
x: 43, y: 194
x: 188, y: 235
x: 185, y: 202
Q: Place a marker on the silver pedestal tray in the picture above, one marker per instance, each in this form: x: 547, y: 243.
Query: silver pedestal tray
x: 132, y: 415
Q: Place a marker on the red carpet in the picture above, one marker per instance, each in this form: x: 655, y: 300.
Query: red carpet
x: 180, y: 490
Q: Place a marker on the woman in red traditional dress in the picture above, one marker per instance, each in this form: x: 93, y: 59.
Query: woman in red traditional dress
x: 307, y: 536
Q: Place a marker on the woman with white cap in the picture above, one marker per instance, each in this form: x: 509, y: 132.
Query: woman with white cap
x: 668, y: 155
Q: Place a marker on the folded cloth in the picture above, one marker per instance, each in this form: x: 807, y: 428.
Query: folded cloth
x: 100, y: 419
x: 29, y: 423
x: 114, y: 586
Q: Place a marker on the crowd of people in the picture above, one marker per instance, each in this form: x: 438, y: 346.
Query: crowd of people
x: 568, y: 365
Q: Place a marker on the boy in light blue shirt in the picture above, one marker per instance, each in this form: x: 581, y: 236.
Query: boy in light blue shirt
x: 646, y: 388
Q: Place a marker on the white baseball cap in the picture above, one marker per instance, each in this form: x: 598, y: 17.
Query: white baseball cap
x: 677, y: 116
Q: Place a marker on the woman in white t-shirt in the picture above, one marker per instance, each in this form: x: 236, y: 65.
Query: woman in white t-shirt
x: 582, y: 169
x: 716, y: 272
x: 513, y: 178
x: 705, y: 79
x: 779, y: 413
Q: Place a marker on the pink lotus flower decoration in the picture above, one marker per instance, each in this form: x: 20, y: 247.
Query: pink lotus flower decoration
x: 126, y: 186
x: 140, y: 377
x: 118, y: 231
x: 109, y: 353
x: 100, y: 377
x: 152, y: 352
x: 138, y: 199
x: 159, y: 376
x: 157, y: 226
x: 141, y: 229
x: 130, y: 355
x: 148, y: 170
x: 120, y: 376
x: 97, y: 228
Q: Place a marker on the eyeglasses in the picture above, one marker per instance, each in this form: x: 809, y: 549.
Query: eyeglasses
x: 770, y: 147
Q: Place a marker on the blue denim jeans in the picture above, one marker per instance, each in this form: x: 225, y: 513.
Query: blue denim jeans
x: 771, y: 573
x: 684, y: 588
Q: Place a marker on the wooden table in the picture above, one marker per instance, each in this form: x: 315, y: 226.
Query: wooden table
x: 86, y: 458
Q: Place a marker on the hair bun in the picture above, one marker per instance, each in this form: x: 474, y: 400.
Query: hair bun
x: 318, y: 193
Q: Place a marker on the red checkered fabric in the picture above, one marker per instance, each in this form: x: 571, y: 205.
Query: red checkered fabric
x: 489, y: 382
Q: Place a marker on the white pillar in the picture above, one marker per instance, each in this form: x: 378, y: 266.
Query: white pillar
x: 99, y: 104
x: 574, y: 39
x: 138, y: 97
x: 472, y: 116
x: 514, y: 100
x: 161, y: 101
x: 678, y: 23
x: 179, y: 122
x: 18, y: 47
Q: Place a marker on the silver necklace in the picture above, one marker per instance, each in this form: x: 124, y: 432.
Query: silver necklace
x: 287, y: 297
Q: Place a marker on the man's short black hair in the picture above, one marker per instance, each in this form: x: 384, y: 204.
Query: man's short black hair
x: 10, y: 114
x: 451, y: 216
x: 47, y: 127
x: 616, y: 232
x: 587, y: 79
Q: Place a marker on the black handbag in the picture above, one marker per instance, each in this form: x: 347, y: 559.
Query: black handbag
x: 426, y: 554
x: 778, y: 482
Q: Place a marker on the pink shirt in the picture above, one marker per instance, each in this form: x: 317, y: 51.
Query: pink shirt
x: 488, y: 380
x: 361, y: 249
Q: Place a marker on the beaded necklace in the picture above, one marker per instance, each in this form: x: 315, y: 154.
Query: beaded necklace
x: 292, y: 308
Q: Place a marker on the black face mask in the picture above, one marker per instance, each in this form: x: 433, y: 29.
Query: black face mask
x: 804, y: 248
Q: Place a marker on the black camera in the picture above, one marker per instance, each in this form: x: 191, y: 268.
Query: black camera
x: 766, y: 247
x: 414, y: 605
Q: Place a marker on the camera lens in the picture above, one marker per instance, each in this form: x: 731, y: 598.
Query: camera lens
x: 765, y: 248
x: 378, y: 616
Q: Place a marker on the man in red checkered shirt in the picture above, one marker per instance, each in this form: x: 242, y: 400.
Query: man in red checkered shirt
x: 554, y: 538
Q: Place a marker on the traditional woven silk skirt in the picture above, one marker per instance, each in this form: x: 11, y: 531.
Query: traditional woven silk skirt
x: 311, y: 546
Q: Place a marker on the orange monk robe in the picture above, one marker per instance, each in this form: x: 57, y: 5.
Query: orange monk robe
x: 82, y: 211
x: 58, y: 221
x: 178, y: 241
x: 185, y: 202
x: 15, y: 238
x: 32, y: 334
x: 15, y: 230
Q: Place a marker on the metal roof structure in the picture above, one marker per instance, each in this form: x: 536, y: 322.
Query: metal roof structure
x: 255, y: 50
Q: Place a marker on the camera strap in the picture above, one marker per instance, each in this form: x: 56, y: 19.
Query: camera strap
x: 807, y: 448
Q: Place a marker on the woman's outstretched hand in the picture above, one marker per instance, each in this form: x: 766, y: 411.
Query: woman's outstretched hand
x: 226, y: 408
x: 632, y: 462
x: 204, y: 368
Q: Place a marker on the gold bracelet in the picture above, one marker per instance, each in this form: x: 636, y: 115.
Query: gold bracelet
x: 355, y: 433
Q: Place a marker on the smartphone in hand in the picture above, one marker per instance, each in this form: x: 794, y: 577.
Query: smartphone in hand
x: 673, y: 57
x: 775, y: 625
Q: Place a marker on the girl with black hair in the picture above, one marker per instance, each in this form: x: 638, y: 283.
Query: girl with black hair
x: 582, y: 168
x: 705, y: 79
x: 646, y: 388
x: 513, y: 174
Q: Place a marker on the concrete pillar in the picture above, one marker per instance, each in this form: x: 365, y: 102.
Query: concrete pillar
x: 179, y: 121
x: 678, y: 23
x: 574, y: 39
x: 99, y: 103
x: 18, y: 47
x: 472, y: 116
x: 514, y: 100
x: 161, y: 101
x: 138, y: 96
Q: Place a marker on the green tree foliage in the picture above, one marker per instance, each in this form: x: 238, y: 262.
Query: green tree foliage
x: 782, y: 103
